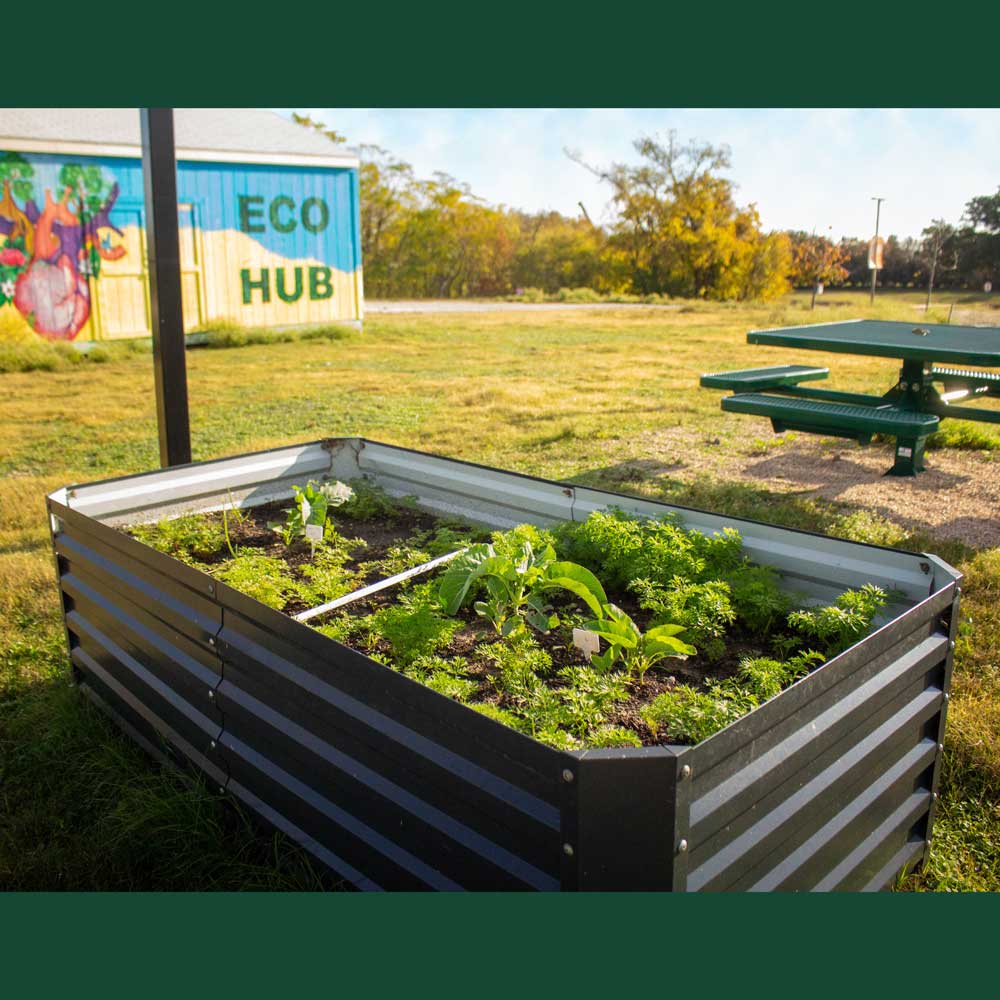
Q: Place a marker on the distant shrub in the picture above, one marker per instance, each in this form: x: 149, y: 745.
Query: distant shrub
x: 578, y: 295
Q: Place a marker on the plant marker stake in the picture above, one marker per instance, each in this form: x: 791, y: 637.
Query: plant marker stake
x: 374, y: 588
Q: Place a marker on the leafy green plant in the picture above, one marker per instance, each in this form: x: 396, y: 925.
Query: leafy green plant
x: 414, y: 627
x: 620, y: 548
x: 264, y: 578
x: 587, y: 698
x: 516, y: 587
x: 704, y: 610
x: 756, y: 597
x: 447, y: 537
x: 312, y: 503
x: 613, y: 736
x: 326, y: 578
x: 686, y: 715
x: 763, y: 677
x: 192, y: 539
x: 842, y: 623
x: 369, y: 502
x: 637, y: 650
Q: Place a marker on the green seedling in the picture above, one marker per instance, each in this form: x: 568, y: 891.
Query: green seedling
x: 307, y: 518
x: 842, y: 623
x: 637, y: 650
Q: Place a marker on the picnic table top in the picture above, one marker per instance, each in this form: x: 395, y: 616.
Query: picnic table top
x: 969, y: 345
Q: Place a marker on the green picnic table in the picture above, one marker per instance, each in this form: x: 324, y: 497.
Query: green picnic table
x: 931, y: 380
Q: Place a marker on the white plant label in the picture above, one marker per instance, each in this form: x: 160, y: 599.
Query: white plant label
x: 587, y: 641
x: 314, y: 532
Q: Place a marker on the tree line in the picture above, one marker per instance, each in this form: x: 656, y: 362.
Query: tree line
x: 677, y: 231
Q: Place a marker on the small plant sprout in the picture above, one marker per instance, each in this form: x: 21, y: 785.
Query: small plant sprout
x: 637, y: 650
x: 842, y: 623
x: 307, y: 519
x: 517, y: 587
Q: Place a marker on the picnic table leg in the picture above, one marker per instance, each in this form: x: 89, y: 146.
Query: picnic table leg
x: 909, y: 457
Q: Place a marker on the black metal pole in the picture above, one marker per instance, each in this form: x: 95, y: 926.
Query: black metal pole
x: 159, y: 173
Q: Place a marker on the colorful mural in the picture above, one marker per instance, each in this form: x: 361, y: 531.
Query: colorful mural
x: 48, y: 255
x: 260, y: 245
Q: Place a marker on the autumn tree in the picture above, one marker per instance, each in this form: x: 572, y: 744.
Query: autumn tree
x: 816, y: 260
x: 679, y: 228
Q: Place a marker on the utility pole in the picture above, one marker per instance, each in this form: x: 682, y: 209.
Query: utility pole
x: 878, y: 209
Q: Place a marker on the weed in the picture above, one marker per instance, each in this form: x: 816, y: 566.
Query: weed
x: 867, y: 526
x: 757, y: 599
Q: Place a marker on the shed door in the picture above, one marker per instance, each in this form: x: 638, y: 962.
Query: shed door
x: 122, y: 289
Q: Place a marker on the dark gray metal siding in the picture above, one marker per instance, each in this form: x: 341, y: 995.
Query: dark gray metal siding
x: 829, y: 785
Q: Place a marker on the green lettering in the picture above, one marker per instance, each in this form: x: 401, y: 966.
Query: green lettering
x: 319, y: 283
x: 264, y: 286
x: 279, y: 284
x: 324, y: 214
x: 249, y: 211
x: 282, y: 201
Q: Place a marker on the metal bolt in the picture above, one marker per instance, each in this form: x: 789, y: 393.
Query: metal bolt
x: 945, y: 696
x: 568, y: 850
x: 686, y: 771
x: 934, y: 796
x: 212, y: 744
x: 958, y: 590
x: 940, y: 748
x: 951, y: 644
x: 222, y: 791
x: 682, y: 847
x: 211, y: 641
x: 567, y: 775
x: 927, y: 843
x: 211, y: 693
x: 211, y: 588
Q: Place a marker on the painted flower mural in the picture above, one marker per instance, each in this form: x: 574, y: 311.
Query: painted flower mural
x: 48, y: 255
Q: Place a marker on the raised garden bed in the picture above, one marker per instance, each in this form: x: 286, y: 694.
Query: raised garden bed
x: 484, y: 750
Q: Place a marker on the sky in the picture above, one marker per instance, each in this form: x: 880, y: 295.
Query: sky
x: 810, y: 169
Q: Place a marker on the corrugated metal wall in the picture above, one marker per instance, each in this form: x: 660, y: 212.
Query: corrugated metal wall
x: 830, y: 785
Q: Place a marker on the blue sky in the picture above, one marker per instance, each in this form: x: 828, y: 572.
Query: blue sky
x: 804, y: 169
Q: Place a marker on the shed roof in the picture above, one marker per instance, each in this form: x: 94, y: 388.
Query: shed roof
x: 228, y: 135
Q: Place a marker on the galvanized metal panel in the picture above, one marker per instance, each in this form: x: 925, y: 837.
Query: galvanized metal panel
x: 828, y: 785
x: 337, y: 744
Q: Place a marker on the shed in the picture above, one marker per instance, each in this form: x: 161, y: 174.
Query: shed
x: 269, y: 217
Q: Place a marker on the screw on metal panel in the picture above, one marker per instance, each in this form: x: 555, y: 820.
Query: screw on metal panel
x: 904, y: 386
x: 951, y: 644
x: 958, y: 590
x: 682, y: 847
x: 940, y: 747
x: 222, y: 791
x: 211, y: 693
x: 568, y: 850
x: 567, y: 775
x: 934, y: 796
x: 686, y: 771
x: 927, y: 843
x: 211, y: 641
x: 945, y: 696
x: 211, y: 588
x: 212, y: 744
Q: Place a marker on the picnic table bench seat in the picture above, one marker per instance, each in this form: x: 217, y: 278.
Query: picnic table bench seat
x: 763, y: 378
x: 964, y: 377
x: 835, y: 419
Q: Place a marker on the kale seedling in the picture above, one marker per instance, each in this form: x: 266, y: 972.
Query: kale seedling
x: 637, y: 650
x: 517, y: 586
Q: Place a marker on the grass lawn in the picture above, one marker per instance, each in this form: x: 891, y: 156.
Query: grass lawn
x: 588, y: 396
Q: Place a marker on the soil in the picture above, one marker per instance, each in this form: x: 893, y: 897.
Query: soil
x: 250, y: 530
